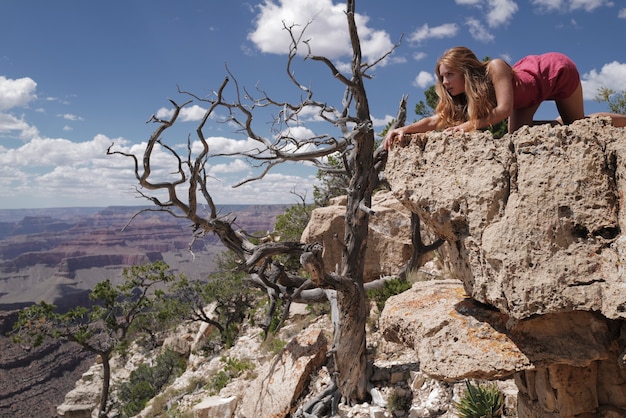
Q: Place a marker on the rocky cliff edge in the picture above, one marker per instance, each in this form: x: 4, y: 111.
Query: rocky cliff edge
x: 534, y: 224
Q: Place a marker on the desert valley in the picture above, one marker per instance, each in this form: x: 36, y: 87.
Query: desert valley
x: 57, y: 255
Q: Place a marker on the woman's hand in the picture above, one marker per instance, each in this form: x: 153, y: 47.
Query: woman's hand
x: 462, y: 128
x: 393, y: 136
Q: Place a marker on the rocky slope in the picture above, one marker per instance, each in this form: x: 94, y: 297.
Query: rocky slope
x: 283, y: 381
x: 57, y: 255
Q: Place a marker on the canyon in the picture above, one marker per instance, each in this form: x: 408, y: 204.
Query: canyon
x: 57, y: 255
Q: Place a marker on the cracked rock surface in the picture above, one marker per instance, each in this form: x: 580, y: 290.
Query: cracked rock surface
x: 534, y: 220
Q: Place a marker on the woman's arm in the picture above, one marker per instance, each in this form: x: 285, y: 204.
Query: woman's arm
x: 423, y: 125
x: 502, y: 80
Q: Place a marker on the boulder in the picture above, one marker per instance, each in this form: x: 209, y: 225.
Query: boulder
x: 81, y: 401
x: 215, y: 407
x: 459, y: 338
x: 389, y: 239
x: 281, y: 382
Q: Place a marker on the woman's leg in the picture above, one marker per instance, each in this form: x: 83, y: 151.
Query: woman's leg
x: 572, y: 108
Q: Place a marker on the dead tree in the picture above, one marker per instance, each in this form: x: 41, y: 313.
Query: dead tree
x: 188, y: 194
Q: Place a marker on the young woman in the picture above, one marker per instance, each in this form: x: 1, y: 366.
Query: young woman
x: 474, y: 94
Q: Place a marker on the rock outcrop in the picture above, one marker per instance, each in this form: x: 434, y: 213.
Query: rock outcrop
x: 389, y: 241
x: 534, y: 228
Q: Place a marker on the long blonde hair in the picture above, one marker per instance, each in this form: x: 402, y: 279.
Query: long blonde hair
x: 479, y: 98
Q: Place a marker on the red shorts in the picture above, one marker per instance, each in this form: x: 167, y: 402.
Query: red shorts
x: 551, y: 76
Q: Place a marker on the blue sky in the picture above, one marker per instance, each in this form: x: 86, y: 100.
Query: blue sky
x: 77, y: 76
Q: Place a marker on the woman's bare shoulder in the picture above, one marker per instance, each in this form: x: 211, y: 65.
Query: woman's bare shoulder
x: 498, y: 64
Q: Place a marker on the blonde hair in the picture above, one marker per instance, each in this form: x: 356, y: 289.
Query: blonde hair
x: 479, y: 98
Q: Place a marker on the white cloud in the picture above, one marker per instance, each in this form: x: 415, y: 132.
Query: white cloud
x: 327, y: 30
x: 187, y: 114
x: 274, y: 187
x: 500, y: 12
x: 16, y: 93
x: 589, y: 5
x: 496, y: 12
x: 447, y: 30
x: 298, y: 132
x: 381, y: 122
x: 69, y: 116
x: 611, y: 75
x: 236, y: 166
x: 622, y: 14
x: 571, y: 5
x: 58, y: 172
x: 223, y: 145
x: 424, y: 79
x: 418, y: 56
x: 478, y: 31
x: 50, y: 152
x: 9, y: 123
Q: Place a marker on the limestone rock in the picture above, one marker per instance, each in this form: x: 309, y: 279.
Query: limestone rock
x: 282, y: 381
x: 436, y: 319
x: 389, y: 240
x: 215, y: 407
x: 458, y: 338
x: 81, y: 401
x: 534, y: 220
x: 533, y: 224
x: 178, y: 345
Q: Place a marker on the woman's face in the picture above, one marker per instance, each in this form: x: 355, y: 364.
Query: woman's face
x: 452, y: 80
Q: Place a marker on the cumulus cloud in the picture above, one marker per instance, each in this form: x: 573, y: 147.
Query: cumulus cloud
x: 10, y: 123
x: 622, y: 14
x: 49, y: 152
x: 611, y: 76
x: 496, y: 12
x: 447, y: 30
x: 424, y: 79
x: 236, y: 166
x: 187, y: 114
x: 325, y: 25
x: 16, y: 93
x: 500, y: 12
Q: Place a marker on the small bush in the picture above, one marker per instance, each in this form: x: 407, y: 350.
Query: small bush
x: 274, y: 345
x: 147, y: 381
x: 390, y: 288
x: 482, y: 401
x: 398, y: 402
x: 233, y: 368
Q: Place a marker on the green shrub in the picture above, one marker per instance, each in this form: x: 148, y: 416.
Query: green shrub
x: 481, y: 401
x: 398, y: 402
x: 274, y: 345
x: 146, y: 382
x: 233, y: 368
x: 390, y: 288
